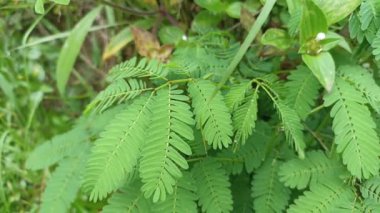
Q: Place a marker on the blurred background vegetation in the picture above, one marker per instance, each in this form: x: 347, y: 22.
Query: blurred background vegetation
x: 32, y: 110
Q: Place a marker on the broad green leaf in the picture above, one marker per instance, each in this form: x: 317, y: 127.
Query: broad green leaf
x: 205, y: 21
x: 71, y: 48
x: 39, y: 7
x: 313, y: 22
x: 334, y: 39
x: 323, y: 67
x: 63, y: 2
x: 214, y: 6
x: 233, y: 9
x: 336, y: 10
x: 122, y: 38
x: 170, y: 35
x: 277, y: 38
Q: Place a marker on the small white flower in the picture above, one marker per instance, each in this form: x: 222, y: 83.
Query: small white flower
x: 320, y: 36
x: 184, y: 37
x: 366, y: 65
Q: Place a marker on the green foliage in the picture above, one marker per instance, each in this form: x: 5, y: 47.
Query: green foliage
x: 183, y: 198
x: 132, y: 68
x: 354, y: 129
x: 211, y: 114
x: 370, y: 190
x: 314, y: 169
x: 129, y: 199
x: 275, y: 112
x: 244, y: 117
x: 118, y: 143
x: 302, y: 91
x: 214, y: 193
x: 62, y: 187
x: 162, y: 152
x: 269, y: 194
x: 328, y: 196
x: 118, y: 92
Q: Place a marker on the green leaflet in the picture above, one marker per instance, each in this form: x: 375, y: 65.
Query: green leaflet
x: 183, y: 198
x: 371, y: 189
x: 236, y: 94
x: 328, y: 196
x: 315, y: 168
x: 71, y: 47
x: 162, y: 157
x: 293, y: 127
x: 354, y: 129
x: 290, y: 120
x: 57, y: 148
x: 132, y: 68
x: 118, y: 92
x: 369, y: 11
x: 214, y: 193
x: 364, y: 82
x: 129, y: 199
x: 115, y: 153
x: 211, y: 114
x: 267, y: 191
x: 244, y: 117
x: 249, y: 155
x: 323, y: 68
x: 302, y: 91
x: 62, y: 187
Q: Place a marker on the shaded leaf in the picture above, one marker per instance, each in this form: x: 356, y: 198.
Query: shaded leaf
x: 71, y: 48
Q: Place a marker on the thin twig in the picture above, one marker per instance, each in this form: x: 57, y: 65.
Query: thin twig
x: 315, y: 135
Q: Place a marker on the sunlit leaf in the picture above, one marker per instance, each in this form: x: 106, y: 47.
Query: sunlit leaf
x: 63, y: 2
x: 277, y: 38
x: 39, y: 7
x: 323, y: 67
x: 170, y: 34
x: 313, y: 21
x: 233, y: 9
x: 336, y: 10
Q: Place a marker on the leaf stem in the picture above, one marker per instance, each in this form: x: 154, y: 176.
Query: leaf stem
x: 247, y: 42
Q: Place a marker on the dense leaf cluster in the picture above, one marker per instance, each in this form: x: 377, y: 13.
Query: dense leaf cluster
x: 163, y: 137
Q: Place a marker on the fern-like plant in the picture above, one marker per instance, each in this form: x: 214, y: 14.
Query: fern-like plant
x: 189, y: 133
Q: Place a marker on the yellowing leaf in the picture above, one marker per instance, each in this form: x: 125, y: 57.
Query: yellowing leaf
x: 121, y: 39
x: 147, y: 45
x: 145, y: 41
x: 323, y: 67
x: 71, y: 48
x: 246, y: 18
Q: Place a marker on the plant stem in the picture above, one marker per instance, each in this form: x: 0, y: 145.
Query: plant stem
x: 247, y: 42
